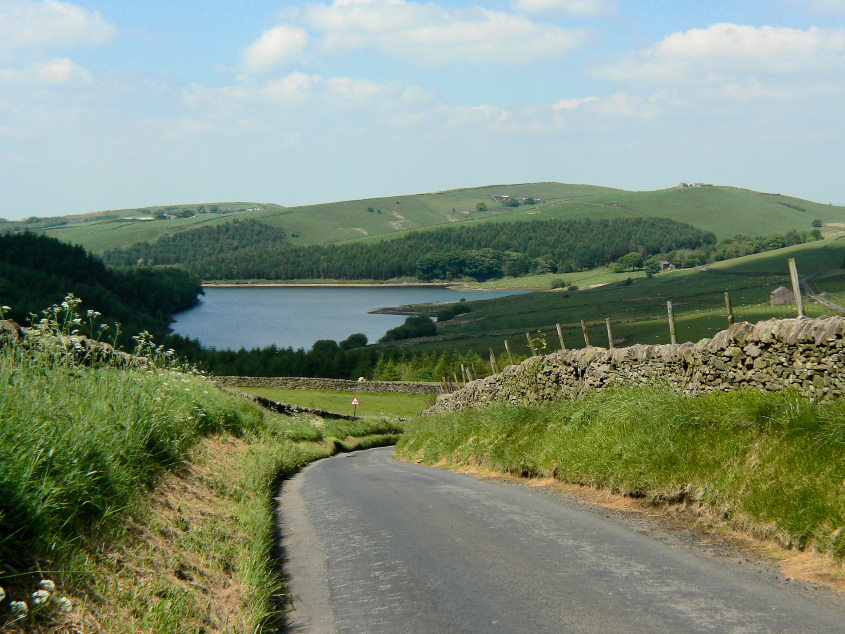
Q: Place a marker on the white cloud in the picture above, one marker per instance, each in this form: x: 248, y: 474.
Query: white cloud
x: 60, y: 71
x: 430, y: 33
x: 575, y: 7
x: 28, y: 25
x: 276, y: 47
x: 294, y: 88
x: 571, y: 104
x: 358, y: 89
x: 297, y: 88
x: 726, y: 50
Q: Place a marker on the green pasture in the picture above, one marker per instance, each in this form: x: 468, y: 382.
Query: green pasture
x: 638, y: 310
x: 726, y: 211
x: 391, y: 404
x: 99, y: 235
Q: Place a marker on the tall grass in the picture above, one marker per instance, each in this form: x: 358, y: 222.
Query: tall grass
x: 79, y: 440
x: 82, y: 441
x: 770, y: 463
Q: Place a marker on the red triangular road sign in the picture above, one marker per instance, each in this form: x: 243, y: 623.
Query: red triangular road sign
x: 355, y: 401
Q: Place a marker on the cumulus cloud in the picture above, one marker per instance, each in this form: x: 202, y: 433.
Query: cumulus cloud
x: 575, y: 7
x: 276, y: 47
x: 430, y: 33
x: 26, y: 25
x: 726, y: 50
x: 56, y: 72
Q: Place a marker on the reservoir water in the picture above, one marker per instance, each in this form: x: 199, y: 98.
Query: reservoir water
x: 296, y: 317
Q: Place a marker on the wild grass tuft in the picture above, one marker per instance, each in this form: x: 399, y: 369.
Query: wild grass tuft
x: 771, y: 463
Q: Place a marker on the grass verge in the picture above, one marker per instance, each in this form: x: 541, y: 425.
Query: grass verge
x: 139, y: 499
x: 770, y: 464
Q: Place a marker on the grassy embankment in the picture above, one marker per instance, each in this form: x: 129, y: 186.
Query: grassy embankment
x: 771, y: 464
x: 140, y: 499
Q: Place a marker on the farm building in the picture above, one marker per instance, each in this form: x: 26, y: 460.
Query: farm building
x: 781, y: 295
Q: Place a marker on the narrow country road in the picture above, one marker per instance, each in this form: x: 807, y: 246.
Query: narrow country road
x: 375, y: 545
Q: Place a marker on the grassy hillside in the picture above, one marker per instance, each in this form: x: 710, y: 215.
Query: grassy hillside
x: 105, y: 230
x: 726, y: 211
x: 638, y: 308
x: 723, y: 210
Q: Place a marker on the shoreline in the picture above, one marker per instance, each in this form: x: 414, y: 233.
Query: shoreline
x: 448, y: 285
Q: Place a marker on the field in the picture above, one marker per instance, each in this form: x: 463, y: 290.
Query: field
x: 100, y: 235
x: 724, y: 210
x: 389, y: 404
x: 638, y: 309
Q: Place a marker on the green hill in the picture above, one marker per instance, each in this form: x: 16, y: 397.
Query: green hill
x: 725, y: 211
x: 637, y: 305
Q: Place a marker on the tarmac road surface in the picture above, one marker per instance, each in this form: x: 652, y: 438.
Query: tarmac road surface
x: 376, y: 545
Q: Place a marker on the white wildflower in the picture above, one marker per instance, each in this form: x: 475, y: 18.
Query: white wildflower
x: 19, y: 608
x: 47, y: 584
x: 64, y: 604
x: 77, y: 321
x: 39, y: 597
x: 2, y: 593
x: 4, y: 307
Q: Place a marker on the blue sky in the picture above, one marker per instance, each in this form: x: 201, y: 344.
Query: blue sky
x: 119, y: 104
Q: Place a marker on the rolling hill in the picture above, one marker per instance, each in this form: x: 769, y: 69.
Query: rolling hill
x: 725, y: 211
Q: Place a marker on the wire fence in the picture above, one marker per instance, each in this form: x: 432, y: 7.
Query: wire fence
x: 682, y: 322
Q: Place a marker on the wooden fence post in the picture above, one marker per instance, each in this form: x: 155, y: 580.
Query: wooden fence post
x: 672, y: 337
x: 560, y: 336
x: 508, y: 350
x: 457, y: 383
x: 530, y: 345
x: 586, y: 335
x: 609, y: 333
x: 729, y: 308
x: 463, y: 375
x: 796, y: 287
x: 493, y: 367
x: 446, y: 388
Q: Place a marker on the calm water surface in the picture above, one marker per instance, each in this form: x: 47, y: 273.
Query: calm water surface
x: 298, y: 316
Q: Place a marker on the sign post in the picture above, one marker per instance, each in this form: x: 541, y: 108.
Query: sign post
x: 355, y: 403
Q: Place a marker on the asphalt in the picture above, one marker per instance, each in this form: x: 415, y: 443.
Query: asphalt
x: 376, y: 545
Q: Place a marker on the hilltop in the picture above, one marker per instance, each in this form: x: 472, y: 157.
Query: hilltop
x: 725, y: 211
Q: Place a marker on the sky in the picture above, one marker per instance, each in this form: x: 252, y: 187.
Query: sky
x: 120, y: 103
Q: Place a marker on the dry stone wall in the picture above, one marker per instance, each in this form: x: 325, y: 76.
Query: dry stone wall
x: 340, y: 385
x: 807, y: 355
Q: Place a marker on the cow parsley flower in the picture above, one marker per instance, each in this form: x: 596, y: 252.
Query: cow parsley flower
x: 40, y: 597
x: 47, y: 584
x: 64, y: 604
x: 2, y: 593
x: 19, y: 608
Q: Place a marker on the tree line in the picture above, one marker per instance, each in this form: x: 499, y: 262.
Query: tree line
x: 252, y: 250
x: 37, y: 271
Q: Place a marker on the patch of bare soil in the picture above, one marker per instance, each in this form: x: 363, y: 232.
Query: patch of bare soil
x: 691, y: 526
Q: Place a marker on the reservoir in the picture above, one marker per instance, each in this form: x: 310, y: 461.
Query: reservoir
x: 297, y: 316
